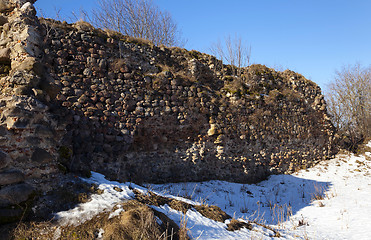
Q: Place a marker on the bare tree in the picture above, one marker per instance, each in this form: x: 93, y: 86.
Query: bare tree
x: 137, y: 18
x: 233, y: 51
x: 349, y: 100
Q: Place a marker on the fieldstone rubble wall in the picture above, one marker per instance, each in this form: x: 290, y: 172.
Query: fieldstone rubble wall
x: 76, y: 99
x: 143, y: 113
x: 28, y: 133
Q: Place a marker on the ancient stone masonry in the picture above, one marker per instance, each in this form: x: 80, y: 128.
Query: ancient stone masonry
x: 28, y: 133
x: 139, y: 112
x: 76, y: 99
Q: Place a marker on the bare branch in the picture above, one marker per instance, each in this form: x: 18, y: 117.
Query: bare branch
x: 233, y: 51
x: 349, y: 99
x: 137, y: 18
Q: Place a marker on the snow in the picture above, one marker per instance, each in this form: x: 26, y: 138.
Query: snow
x: 99, y: 202
x: 328, y: 201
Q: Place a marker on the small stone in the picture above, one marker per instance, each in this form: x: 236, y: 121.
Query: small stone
x: 4, y: 159
x: 87, y: 72
x: 117, y: 189
x: 3, y: 20
x: 22, y: 90
x: 41, y: 156
x: 5, y: 6
x: 212, y: 131
x: 4, y: 54
x: 61, y: 97
x: 11, y: 177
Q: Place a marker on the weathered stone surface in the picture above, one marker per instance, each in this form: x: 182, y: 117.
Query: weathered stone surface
x: 30, y: 64
x: 4, y: 159
x: 3, y: 20
x: 15, y: 194
x: 41, y: 156
x: 4, y: 54
x: 10, y: 215
x: 6, y: 5
x: 11, y: 177
x: 24, y: 78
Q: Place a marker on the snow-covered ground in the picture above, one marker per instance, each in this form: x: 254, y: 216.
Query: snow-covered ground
x: 328, y: 201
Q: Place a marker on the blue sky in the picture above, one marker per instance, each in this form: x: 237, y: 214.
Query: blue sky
x: 312, y: 37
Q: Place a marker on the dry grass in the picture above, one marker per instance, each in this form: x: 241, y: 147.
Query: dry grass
x: 281, y: 213
x: 235, y: 225
x: 137, y: 221
x: 211, y: 212
x: 319, y: 193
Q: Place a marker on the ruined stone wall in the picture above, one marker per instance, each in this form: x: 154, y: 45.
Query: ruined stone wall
x: 143, y: 113
x: 75, y: 99
x: 29, y: 135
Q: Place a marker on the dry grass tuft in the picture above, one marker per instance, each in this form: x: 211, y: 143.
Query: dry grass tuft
x: 137, y: 221
x: 235, y: 225
x: 212, y: 212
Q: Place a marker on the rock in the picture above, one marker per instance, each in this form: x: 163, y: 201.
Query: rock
x: 43, y: 131
x: 4, y: 159
x: 15, y: 194
x: 5, y: 6
x: 4, y: 54
x: 212, y: 131
x: 29, y: 64
x: 24, y: 78
x: 41, y: 156
x: 87, y: 72
x: 10, y: 215
x: 17, y: 122
x: 50, y: 88
x: 28, y: 9
x: 11, y: 177
x: 22, y: 90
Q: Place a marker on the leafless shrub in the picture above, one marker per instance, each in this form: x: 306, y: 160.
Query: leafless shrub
x: 233, y: 51
x: 137, y: 18
x: 349, y: 102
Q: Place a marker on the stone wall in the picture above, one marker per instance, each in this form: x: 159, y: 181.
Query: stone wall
x: 75, y: 99
x: 143, y: 113
x: 28, y: 133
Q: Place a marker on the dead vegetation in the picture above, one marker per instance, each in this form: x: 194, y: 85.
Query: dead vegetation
x: 235, y: 225
x: 211, y: 212
x: 136, y: 221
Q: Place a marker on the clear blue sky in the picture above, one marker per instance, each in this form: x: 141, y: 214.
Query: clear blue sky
x: 312, y: 37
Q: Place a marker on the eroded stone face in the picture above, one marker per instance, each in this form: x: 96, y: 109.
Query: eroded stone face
x: 11, y: 177
x: 5, y: 159
x: 27, y: 145
x: 15, y: 194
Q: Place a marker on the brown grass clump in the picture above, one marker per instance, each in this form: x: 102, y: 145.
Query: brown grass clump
x: 235, y: 225
x: 137, y: 221
x: 212, y: 212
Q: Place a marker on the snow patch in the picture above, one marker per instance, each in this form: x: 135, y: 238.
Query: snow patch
x: 328, y: 201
